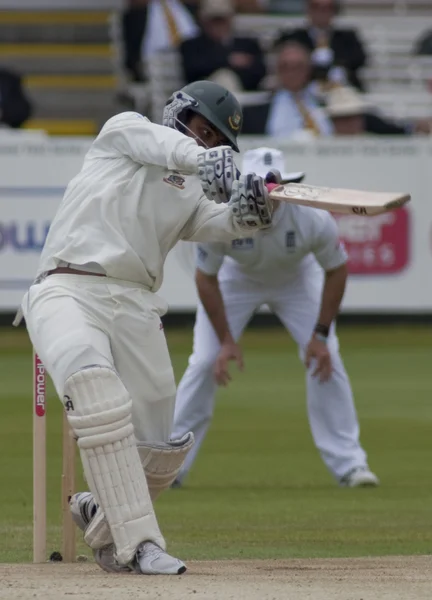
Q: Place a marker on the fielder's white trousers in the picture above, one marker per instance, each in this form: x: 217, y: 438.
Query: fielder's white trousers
x: 75, y: 321
x: 332, y: 415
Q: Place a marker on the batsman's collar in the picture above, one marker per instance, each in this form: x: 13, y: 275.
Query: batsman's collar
x: 261, y: 160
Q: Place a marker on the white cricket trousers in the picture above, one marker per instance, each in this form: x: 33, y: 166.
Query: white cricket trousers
x: 332, y: 415
x: 79, y: 320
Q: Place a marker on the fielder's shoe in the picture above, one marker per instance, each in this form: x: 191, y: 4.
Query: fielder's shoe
x: 152, y: 560
x: 359, y: 477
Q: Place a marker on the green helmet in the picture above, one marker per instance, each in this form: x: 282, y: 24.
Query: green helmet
x: 210, y: 100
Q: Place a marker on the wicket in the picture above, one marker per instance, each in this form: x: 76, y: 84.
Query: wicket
x: 39, y: 473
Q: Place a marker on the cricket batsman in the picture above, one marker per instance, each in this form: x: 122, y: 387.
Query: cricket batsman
x: 93, y: 313
x: 298, y: 269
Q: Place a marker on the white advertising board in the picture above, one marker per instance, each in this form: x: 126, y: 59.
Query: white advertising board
x: 390, y: 255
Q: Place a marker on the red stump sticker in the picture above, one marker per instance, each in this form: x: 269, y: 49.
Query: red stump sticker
x: 376, y: 245
x: 39, y: 392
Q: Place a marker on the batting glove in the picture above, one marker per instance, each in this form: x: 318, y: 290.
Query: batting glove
x: 217, y: 172
x: 250, y: 202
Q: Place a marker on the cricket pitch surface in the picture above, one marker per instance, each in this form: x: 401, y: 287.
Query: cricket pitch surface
x: 387, y: 578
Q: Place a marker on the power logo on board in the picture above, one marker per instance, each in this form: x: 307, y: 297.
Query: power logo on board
x: 23, y: 237
x: 40, y: 387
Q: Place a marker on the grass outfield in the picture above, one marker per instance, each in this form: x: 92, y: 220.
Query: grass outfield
x: 259, y: 488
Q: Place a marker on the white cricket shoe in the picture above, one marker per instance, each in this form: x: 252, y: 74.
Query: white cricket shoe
x: 83, y: 508
x: 359, y: 477
x: 152, y: 560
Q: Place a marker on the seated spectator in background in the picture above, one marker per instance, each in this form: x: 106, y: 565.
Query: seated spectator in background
x: 151, y: 26
x: 218, y: 54
x: 15, y: 107
x: 424, y: 45
x: 294, y: 108
x: 351, y: 115
x: 337, y: 54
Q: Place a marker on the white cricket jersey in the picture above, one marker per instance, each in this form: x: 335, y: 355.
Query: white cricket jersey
x: 136, y: 195
x: 299, y: 236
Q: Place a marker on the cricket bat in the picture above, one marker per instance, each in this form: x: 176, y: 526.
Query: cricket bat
x: 337, y: 200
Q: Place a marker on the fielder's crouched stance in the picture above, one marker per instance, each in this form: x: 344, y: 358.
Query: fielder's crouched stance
x: 284, y: 268
x: 94, y: 318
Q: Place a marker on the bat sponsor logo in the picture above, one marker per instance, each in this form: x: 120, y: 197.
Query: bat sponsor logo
x: 175, y: 180
x: 359, y: 210
x: 306, y: 192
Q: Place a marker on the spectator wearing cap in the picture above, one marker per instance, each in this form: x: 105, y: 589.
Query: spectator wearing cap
x: 337, y: 54
x: 219, y: 54
x: 352, y: 115
x: 294, y: 110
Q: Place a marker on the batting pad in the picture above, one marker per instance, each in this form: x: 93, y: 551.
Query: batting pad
x: 99, y: 412
x: 162, y: 462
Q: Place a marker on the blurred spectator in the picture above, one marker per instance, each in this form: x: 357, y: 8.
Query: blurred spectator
x: 218, y: 54
x: 337, y: 54
x: 351, y: 115
x: 15, y: 107
x: 294, y: 108
x: 151, y: 26
x: 424, y: 45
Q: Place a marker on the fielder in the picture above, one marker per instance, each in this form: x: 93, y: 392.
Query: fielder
x: 298, y: 269
x: 93, y: 315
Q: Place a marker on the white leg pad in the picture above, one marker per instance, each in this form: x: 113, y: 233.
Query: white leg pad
x: 99, y: 412
x: 162, y: 462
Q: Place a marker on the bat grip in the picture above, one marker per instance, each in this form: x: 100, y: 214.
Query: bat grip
x: 271, y: 186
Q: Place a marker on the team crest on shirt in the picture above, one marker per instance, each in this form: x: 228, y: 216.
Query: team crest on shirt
x: 175, y: 180
x: 242, y: 244
x: 290, y: 240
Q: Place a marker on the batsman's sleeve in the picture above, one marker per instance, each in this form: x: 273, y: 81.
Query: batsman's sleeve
x: 209, y: 257
x: 326, y: 244
x: 130, y: 134
x: 212, y: 222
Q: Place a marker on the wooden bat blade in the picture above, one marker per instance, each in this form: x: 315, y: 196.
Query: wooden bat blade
x: 339, y: 200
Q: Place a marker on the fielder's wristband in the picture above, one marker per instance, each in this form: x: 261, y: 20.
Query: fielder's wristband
x: 321, y: 329
x: 320, y: 338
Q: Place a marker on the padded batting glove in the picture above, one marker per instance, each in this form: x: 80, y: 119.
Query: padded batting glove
x: 217, y: 172
x: 250, y: 202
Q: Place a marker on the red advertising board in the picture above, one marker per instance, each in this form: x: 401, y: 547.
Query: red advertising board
x: 376, y: 245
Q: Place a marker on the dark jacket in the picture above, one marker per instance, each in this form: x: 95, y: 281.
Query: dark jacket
x: 255, y: 120
x: 201, y: 56
x: 15, y: 107
x: 347, y: 47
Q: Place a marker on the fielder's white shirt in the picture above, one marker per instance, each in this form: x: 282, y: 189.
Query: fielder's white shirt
x: 136, y: 195
x: 299, y: 237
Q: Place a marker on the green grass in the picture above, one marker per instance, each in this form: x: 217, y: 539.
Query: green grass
x: 259, y: 488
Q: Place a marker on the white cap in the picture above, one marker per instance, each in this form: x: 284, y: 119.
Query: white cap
x: 345, y: 102
x: 211, y: 9
x: 261, y: 160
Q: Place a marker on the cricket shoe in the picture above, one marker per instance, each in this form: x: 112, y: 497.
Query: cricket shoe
x: 83, y: 508
x: 359, y: 477
x: 152, y: 560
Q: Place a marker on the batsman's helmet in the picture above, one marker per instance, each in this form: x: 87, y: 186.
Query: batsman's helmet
x: 210, y: 100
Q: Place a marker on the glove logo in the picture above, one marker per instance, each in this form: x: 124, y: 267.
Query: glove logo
x: 175, y: 180
x: 235, y: 121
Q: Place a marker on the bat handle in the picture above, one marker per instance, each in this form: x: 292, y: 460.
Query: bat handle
x: 271, y: 186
